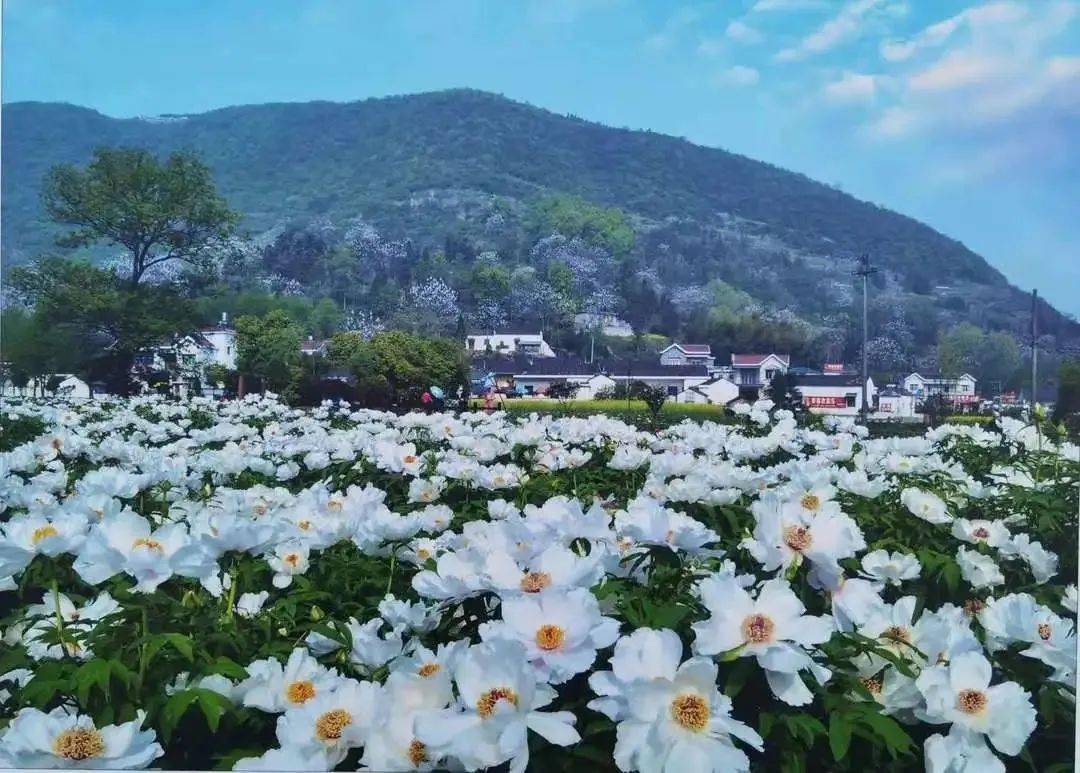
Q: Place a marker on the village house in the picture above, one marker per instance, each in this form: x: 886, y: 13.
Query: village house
x: 532, y: 344
x: 894, y: 402
x: 687, y: 354
x: 222, y: 337
x: 839, y: 395
x: 673, y: 379
x: 716, y: 391
x: 751, y: 373
x: 959, y: 391
x: 313, y: 347
x: 66, y: 385
x: 183, y: 359
x: 604, y: 324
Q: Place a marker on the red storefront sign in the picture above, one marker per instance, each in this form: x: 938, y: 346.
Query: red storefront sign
x: 819, y: 401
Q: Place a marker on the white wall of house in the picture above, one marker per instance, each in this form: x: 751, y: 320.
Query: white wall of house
x: 605, y: 324
x: 922, y: 387
x: 836, y: 400
x: 761, y: 373
x: 224, y: 343
x: 895, y: 407
x: 676, y: 355
x: 717, y: 392
x: 72, y: 387
x: 672, y: 385
x: 595, y: 385
x: 509, y: 343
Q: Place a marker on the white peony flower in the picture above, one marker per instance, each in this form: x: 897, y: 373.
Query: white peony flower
x: 891, y: 568
x: 61, y: 739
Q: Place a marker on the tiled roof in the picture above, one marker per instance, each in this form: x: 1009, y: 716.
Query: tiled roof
x: 749, y: 360
x: 691, y: 348
x: 838, y: 380
x: 650, y: 369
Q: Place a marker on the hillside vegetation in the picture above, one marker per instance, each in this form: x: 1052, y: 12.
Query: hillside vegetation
x: 521, y: 216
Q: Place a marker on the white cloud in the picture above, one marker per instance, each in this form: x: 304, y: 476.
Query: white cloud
x: 673, y: 28
x: 894, y: 122
x: 984, y: 77
x: 848, y: 24
x: 976, y: 17
x: 960, y: 70
x: 851, y: 87
x: 739, y: 75
x: 743, y: 33
x: 762, y: 6
x: 711, y: 46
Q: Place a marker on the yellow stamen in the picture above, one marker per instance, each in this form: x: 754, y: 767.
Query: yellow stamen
x: 691, y: 711
x: 300, y: 692
x: 429, y: 669
x: 79, y: 743
x: 417, y: 753
x: 798, y: 538
x: 971, y: 701
x: 534, y: 582
x: 758, y: 629
x: 43, y: 532
x: 485, y: 706
x: 330, y: 725
x: 550, y: 637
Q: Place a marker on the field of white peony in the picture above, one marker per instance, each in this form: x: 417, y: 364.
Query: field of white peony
x: 244, y: 585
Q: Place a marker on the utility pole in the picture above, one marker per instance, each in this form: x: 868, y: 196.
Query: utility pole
x: 1034, y: 349
x: 864, y: 271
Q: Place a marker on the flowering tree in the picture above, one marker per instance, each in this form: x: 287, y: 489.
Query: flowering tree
x: 430, y: 305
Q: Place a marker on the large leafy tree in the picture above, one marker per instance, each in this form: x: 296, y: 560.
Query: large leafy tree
x: 268, y: 349
x: 157, y: 211
x: 103, y: 316
x: 1067, y: 407
x: 396, y: 367
x: 30, y: 347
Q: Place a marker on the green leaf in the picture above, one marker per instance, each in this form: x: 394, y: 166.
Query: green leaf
x: 213, y: 706
x: 174, y: 709
x: 90, y: 673
x: 229, y: 668
x: 737, y: 677
x: 839, y: 735
x: 896, y: 739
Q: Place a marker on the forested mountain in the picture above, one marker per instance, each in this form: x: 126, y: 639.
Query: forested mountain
x: 463, y: 207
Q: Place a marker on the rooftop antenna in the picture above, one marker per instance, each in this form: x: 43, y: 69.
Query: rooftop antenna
x: 864, y: 270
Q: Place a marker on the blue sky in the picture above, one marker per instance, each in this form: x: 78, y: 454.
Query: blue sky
x: 963, y: 114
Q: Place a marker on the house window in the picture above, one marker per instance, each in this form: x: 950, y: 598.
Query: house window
x: 849, y: 399
x: 672, y: 391
x: 769, y: 374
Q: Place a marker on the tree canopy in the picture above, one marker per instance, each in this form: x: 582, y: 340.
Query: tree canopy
x: 156, y: 211
x: 268, y: 350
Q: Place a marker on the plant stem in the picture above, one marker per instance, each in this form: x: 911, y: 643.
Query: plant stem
x: 142, y: 653
x: 393, y: 564
x: 59, y: 618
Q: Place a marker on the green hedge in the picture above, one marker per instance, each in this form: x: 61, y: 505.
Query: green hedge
x: 636, y: 413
